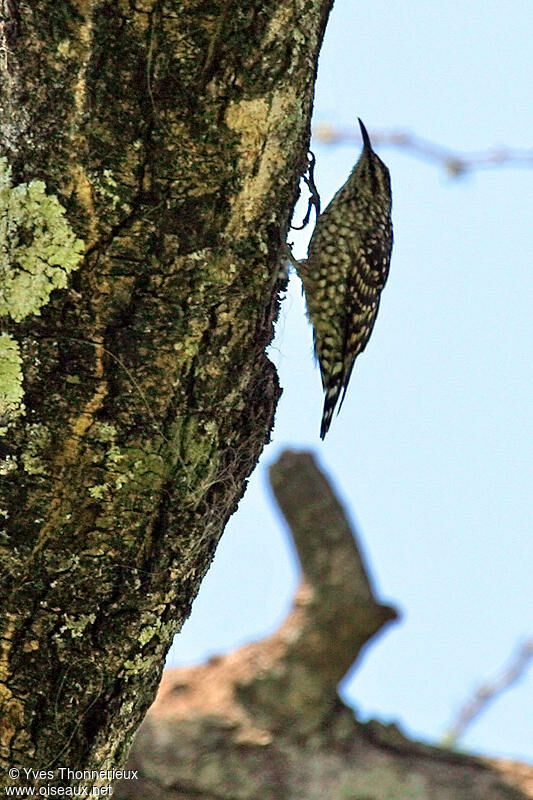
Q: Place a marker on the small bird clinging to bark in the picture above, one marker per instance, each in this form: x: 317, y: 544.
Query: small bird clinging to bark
x: 345, y: 271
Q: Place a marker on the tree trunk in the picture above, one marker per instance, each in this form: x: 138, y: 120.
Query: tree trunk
x: 151, y: 153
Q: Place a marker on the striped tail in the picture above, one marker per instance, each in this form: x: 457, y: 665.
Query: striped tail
x: 335, y: 386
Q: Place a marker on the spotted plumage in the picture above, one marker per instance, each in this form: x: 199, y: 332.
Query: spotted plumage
x: 346, y: 269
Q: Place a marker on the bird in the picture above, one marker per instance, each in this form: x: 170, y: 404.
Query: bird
x: 347, y: 266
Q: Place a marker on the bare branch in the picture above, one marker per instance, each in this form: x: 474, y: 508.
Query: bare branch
x: 488, y: 692
x: 455, y: 163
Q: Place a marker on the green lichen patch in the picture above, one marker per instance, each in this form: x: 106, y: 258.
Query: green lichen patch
x: 11, y: 391
x: 38, y: 248
x: 76, y: 625
x: 38, y: 442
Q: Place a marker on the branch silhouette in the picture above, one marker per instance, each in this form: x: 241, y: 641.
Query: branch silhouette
x: 454, y: 162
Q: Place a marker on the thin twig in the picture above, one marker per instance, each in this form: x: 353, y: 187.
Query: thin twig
x: 454, y: 162
x: 488, y: 692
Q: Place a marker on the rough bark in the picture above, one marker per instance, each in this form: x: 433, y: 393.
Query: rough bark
x: 151, y: 151
x: 265, y: 721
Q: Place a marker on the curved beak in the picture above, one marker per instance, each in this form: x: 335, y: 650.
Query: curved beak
x: 364, y: 134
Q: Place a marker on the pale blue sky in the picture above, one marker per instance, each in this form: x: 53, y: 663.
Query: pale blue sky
x: 432, y: 450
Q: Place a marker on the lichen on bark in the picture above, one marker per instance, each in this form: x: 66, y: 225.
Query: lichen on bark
x: 38, y: 250
x: 11, y: 391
